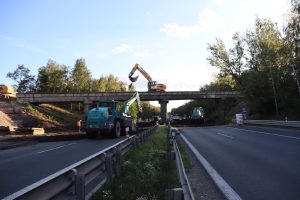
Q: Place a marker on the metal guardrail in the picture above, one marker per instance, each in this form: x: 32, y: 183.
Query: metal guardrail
x: 82, y: 179
x: 185, y: 184
x: 274, y: 123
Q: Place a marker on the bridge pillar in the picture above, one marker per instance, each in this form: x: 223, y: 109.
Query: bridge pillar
x: 86, y: 106
x: 163, y: 110
x: 221, y: 110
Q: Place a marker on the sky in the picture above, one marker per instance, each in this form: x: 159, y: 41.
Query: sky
x: 168, y: 38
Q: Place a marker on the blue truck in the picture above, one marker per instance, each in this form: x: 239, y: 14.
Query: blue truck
x: 105, y: 119
x: 197, y: 115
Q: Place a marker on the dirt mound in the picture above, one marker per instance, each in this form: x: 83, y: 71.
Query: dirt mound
x: 5, y: 120
x: 12, y: 114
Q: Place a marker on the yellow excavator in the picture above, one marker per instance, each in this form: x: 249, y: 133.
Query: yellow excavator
x: 153, y: 86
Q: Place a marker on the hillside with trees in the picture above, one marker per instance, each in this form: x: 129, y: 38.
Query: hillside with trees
x: 263, y: 65
x: 59, y: 78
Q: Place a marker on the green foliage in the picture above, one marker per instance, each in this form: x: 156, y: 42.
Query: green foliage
x: 57, y: 78
x: 146, y: 173
x: 292, y: 31
x: 53, y: 78
x: 263, y: 65
x: 80, y: 77
x: 25, y: 81
x: 231, y: 62
x: 149, y: 110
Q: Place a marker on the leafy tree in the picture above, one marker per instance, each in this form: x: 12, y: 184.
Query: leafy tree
x: 231, y: 62
x: 114, y: 85
x: 149, y: 110
x: 292, y: 31
x: 53, y: 78
x: 80, y: 77
x: 25, y: 81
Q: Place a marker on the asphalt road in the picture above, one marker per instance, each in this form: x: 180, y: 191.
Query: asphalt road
x: 258, y: 163
x: 22, y: 166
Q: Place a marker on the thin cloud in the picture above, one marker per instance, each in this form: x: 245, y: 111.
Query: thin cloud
x: 21, y: 44
x: 122, y: 48
x: 144, y: 55
x: 219, y: 2
x: 207, y: 21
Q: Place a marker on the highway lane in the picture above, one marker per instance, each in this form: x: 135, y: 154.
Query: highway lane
x: 20, y: 167
x: 257, y: 162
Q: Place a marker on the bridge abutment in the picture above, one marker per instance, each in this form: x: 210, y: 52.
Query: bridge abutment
x: 163, y: 110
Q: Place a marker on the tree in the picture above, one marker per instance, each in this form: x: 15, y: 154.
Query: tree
x: 269, y: 56
x: 25, y: 81
x: 53, y: 78
x: 80, y: 77
x: 231, y: 62
x: 292, y: 31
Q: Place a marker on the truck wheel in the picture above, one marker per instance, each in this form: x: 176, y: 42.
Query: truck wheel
x: 117, y: 130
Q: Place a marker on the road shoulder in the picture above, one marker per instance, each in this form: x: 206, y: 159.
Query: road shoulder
x: 202, y: 185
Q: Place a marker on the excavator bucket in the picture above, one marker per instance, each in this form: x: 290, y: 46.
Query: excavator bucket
x: 133, y: 79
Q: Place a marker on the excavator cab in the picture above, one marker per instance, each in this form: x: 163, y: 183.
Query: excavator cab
x: 152, y: 85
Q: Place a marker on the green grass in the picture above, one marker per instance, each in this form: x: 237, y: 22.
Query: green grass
x: 146, y: 173
x: 41, y: 116
x: 184, y: 155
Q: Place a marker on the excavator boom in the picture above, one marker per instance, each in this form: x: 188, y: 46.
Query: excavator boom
x: 152, y: 85
x: 128, y: 103
x: 138, y: 67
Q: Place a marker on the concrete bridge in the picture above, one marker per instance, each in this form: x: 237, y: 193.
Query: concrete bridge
x: 162, y: 97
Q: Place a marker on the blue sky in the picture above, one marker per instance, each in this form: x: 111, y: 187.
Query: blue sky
x: 167, y: 37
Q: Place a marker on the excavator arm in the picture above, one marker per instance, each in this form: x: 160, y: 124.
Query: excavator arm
x: 140, y: 69
x: 152, y: 85
x: 128, y: 103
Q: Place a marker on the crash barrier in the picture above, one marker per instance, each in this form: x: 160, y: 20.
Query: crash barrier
x: 185, y: 192
x: 295, y: 124
x: 82, y: 179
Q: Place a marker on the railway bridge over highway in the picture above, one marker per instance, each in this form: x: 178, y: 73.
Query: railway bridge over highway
x: 162, y: 97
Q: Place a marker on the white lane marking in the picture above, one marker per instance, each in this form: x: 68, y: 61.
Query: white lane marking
x: 229, y: 136
x: 266, y: 133
x: 56, y: 148
x: 229, y: 193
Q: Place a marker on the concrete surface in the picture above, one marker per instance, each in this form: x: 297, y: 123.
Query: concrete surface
x: 22, y: 166
x: 258, y: 163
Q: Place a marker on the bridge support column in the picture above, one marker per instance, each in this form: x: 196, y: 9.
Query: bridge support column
x: 163, y: 110
x: 221, y: 111
x: 86, y: 106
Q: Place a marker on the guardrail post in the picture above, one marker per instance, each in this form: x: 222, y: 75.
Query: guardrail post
x: 79, y: 185
x: 118, y: 162
x: 108, y: 166
x: 174, y: 194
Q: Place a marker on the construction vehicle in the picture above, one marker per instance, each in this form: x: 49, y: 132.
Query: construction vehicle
x: 152, y: 85
x: 197, y: 115
x: 105, y: 118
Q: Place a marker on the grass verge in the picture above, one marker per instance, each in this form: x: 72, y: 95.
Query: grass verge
x: 184, y: 155
x: 146, y: 172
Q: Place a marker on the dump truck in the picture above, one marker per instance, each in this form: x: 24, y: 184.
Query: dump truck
x: 105, y: 119
x: 152, y: 85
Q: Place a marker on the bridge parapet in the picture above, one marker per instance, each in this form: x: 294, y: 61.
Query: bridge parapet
x: 123, y: 96
x: 162, y: 97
